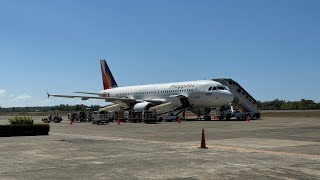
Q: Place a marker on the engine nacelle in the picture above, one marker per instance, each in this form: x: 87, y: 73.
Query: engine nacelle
x: 201, y: 111
x: 143, y: 106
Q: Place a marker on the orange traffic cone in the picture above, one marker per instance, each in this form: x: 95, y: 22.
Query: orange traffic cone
x: 179, y: 120
x: 203, y: 141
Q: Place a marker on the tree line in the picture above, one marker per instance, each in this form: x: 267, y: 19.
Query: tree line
x: 276, y: 104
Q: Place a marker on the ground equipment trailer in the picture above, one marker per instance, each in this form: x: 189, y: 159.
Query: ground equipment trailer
x: 149, y: 117
x: 116, y: 112
x: 142, y: 116
x: 243, y: 105
x: 102, y: 117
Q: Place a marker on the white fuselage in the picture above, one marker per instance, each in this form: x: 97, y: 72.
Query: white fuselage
x: 200, y: 94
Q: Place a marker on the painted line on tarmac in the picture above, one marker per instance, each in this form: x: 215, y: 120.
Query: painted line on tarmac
x: 230, y: 148
x: 263, y: 151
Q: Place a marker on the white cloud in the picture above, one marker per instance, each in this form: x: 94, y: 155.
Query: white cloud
x: 3, y: 92
x: 23, y: 97
x: 11, y: 100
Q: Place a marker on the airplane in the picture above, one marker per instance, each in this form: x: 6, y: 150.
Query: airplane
x: 197, y: 96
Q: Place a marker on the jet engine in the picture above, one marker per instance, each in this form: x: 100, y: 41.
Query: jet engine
x: 143, y: 106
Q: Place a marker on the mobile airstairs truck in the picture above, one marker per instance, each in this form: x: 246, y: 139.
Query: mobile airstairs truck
x: 243, y: 105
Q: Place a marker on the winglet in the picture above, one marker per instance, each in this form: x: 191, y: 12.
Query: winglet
x: 48, y: 95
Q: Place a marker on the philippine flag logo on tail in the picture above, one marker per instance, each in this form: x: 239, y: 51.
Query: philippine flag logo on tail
x: 107, y: 78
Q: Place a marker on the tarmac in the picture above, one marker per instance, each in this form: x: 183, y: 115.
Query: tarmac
x: 269, y: 148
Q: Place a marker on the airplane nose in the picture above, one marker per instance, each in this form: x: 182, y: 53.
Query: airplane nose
x: 228, y: 97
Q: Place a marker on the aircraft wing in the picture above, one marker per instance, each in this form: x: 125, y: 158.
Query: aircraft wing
x: 124, y: 102
x: 155, y: 101
x: 99, y: 94
x: 109, y: 99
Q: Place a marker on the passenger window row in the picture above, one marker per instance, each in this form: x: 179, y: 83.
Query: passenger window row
x: 168, y: 91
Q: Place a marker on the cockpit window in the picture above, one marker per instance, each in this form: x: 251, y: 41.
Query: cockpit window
x: 209, y: 88
x: 214, y: 88
x: 220, y: 87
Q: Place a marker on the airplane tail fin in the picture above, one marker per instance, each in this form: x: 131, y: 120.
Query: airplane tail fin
x: 107, y: 77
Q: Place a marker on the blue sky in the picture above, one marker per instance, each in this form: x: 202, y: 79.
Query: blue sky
x: 272, y: 48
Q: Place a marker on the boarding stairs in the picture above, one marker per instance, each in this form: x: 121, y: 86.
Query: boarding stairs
x: 163, y: 108
x: 114, y: 108
x: 242, y: 99
x: 167, y: 108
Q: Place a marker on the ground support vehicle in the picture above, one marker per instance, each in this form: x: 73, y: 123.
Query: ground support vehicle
x: 102, y: 117
x: 150, y: 117
x: 135, y: 117
x: 55, y: 117
x: 121, y: 115
x: 142, y: 116
x: 77, y: 116
x: 167, y: 117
